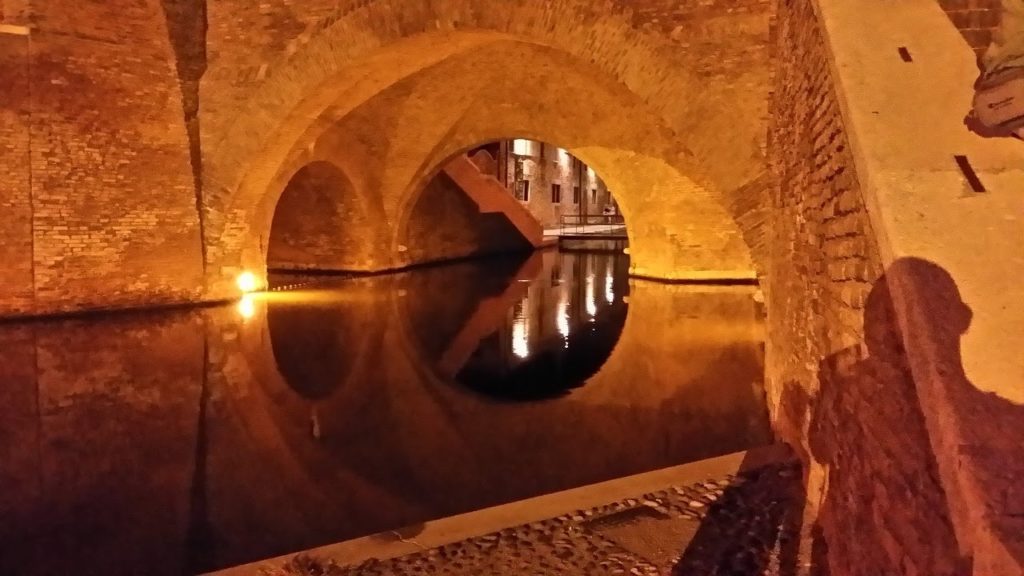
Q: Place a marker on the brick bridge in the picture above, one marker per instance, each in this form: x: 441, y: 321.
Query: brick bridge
x: 149, y: 148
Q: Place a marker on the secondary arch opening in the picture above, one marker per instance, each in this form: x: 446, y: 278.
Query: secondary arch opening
x: 321, y: 224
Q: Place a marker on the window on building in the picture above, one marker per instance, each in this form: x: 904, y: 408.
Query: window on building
x: 523, y: 190
x: 593, y: 195
x: 575, y: 194
x: 521, y: 147
x: 556, y: 193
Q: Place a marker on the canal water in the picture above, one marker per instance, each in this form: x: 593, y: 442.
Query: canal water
x: 181, y: 442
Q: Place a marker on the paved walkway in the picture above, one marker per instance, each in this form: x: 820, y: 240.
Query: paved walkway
x: 742, y: 524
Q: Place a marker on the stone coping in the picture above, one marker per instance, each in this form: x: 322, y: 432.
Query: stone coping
x: 904, y: 120
x: 15, y: 30
x: 388, y: 545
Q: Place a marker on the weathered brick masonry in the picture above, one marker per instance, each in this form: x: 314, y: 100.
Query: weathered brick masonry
x: 734, y: 33
x: 838, y: 378
x: 976, y: 20
x: 249, y: 87
x: 16, y: 282
x: 140, y: 111
x: 317, y: 222
x: 113, y: 215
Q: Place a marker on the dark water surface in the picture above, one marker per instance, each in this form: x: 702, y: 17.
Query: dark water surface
x: 181, y: 442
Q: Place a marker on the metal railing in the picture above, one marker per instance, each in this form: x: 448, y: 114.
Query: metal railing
x: 608, y: 225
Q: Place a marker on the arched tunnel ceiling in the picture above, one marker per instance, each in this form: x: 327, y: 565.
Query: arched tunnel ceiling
x: 391, y: 144
x: 687, y: 92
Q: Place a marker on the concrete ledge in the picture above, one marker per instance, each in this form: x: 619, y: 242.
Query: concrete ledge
x: 904, y: 120
x: 456, y: 528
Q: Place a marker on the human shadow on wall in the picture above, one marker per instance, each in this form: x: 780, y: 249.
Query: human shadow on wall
x: 883, y: 507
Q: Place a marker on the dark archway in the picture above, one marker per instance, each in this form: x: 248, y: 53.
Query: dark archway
x: 316, y: 223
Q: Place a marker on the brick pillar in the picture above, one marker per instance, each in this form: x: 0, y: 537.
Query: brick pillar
x: 16, y: 288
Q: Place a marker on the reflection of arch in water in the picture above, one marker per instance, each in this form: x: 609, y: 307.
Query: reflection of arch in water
x: 263, y: 431
x: 316, y: 346
x: 440, y: 449
x: 579, y: 315
x: 575, y: 304
x: 438, y: 305
x: 312, y: 345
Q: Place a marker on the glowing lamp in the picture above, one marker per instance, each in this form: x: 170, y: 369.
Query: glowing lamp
x: 247, y: 282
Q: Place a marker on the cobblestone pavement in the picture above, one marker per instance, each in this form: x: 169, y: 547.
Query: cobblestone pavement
x: 745, y: 525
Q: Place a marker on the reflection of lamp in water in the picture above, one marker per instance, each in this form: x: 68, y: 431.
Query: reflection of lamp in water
x: 521, y: 330
x: 562, y: 317
x: 246, y: 307
x: 591, y: 302
x: 609, y: 288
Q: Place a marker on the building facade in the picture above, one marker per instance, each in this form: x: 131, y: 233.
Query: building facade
x: 555, y: 186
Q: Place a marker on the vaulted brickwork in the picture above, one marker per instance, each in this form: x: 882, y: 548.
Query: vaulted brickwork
x: 113, y: 215
x: 17, y: 292
x: 250, y: 91
x: 156, y: 127
x: 317, y: 223
x: 392, y: 145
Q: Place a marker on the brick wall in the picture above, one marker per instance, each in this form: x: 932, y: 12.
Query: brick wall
x: 113, y: 219
x: 319, y: 224
x: 17, y: 12
x: 119, y: 146
x: 16, y: 288
x: 839, y: 383
x: 734, y: 31
x: 556, y: 167
x: 976, y: 20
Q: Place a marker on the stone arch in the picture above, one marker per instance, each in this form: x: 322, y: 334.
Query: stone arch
x: 679, y: 228
x: 357, y: 53
x: 319, y: 222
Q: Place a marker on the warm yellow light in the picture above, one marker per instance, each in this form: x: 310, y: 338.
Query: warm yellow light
x: 591, y: 300
x: 247, y: 282
x: 521, y: 329
x: 247, y: 307
x: 562, y: 316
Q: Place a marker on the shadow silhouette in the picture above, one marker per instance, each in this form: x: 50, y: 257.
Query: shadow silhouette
x: 883, y: 506
x: 753, y: 529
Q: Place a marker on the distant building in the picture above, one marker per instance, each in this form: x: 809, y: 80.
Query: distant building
x: 549, y: 181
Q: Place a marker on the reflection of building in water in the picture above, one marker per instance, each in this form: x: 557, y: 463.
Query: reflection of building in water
x: 558, y: 333
x: 572, y: 291
x: 521, y: 328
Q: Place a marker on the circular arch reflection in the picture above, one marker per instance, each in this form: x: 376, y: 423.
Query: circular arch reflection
x: 528, y: 330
